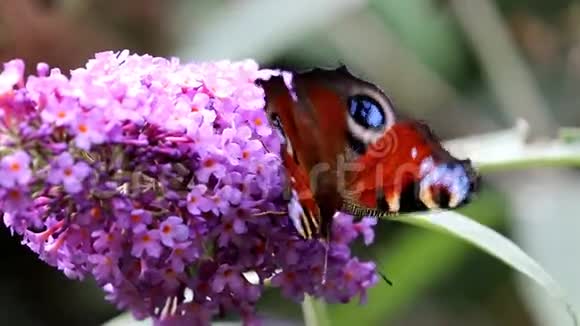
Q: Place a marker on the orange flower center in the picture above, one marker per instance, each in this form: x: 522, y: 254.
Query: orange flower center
x: 14, y: 194
x: 85, y: 234
x: 260, y: 248
x: 68, y: 172
x: 348, y: 276
x: 258, y: 121
x: 166, y: 229
x: 83, y: 128
x: 61, y: 114
x: 317, y: 270
x: 169, y: 272
x: 290, y: 276
x: 209, y: 163
x: 15, y: 167
x: 203, y: 287
x: 95, y: 212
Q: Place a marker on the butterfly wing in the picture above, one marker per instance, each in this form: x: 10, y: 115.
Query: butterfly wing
x: 408, y: 170
x: 310, y: 112
x: 296, y: 123
x: 345, y: 134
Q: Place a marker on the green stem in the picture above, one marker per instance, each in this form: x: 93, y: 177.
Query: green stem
x: 538, y: 162
x: 314, y: 312
x: 508, y: 150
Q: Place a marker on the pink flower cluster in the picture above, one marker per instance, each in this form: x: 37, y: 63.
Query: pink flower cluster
x: 154, y: 177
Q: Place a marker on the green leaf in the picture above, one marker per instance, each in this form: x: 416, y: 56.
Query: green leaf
x: 260, y: 28
x: 126, y: 319
x: 415, y: 260
x: 548, y: 230
x: 569, y: 134
x: 426, y: 30
x: 493, y: 243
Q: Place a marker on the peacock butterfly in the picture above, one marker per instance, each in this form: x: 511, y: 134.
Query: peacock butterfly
x: 347, y: 149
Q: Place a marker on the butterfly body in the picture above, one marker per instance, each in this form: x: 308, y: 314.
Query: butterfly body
x: 347, y: 149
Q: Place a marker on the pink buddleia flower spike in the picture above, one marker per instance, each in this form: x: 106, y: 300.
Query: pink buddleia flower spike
x: 153, y: 177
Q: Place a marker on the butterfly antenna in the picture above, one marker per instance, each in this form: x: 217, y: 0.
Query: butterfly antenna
x: 264, y: 145
x: 325, y: 268
x: 271, y: 213
x: 385, y: 278
x: 325, y: 264
x: 326, y: 250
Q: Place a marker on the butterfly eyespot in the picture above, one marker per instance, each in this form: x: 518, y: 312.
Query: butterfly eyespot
x: 366, y: 112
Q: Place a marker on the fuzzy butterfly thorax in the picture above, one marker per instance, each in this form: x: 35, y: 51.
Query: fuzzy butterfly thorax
x: 348, y: 149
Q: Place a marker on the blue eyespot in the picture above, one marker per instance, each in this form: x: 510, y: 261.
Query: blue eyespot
x: 366, y: 112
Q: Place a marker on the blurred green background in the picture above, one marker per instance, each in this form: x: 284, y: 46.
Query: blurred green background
x: 465, y: 66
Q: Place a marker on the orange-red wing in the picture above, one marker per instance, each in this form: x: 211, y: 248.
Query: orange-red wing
x: 350, y: 149
x: 314, y: 123
x: 409, y: 170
